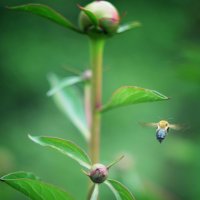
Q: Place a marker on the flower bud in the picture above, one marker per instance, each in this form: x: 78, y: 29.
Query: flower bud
x: 87, y: 75
x: 107, y: 17
x: 98, y: 173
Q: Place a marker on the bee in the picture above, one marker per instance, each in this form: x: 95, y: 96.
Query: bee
x: 163, y: 127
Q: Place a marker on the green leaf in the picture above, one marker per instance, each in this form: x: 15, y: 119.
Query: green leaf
x: 69, y: 81
x: 128, y: 95
x: 128, y: 26
x: 90, y: 15
x: 70, y: 101
x: 29, y: 185
x: 119, y: 190
x: 95, y: 192
x: 46, y: 12
x: 22, y: 174
x: 64, y: 146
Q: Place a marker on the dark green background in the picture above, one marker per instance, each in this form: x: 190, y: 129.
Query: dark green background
x: 164, y: 54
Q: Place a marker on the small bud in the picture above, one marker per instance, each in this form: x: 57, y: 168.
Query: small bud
x: 87, y: 75
x: 107, y: 18
x: 98, y: 173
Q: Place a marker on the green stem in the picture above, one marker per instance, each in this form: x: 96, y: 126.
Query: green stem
x: 87, y: 95
x: 96, y: 52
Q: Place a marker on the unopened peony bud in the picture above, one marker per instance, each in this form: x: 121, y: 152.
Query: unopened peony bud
x: 106, y: 15
x: 98, y: 173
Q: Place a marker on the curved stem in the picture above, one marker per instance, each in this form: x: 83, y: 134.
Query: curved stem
x: 96, y: 52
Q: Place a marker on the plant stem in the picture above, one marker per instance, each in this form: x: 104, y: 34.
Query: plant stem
x: 87, y: 95
x: 96, y: 53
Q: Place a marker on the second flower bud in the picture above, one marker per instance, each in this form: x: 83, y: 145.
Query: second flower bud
x: 98, y: 173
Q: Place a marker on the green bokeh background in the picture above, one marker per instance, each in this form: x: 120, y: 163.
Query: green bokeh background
x: 164, y: 54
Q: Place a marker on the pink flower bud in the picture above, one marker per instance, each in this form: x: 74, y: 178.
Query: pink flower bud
x: 98, y: 173
x: 106, y: 15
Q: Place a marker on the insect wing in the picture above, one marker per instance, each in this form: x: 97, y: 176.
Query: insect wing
x: 175, y: 127
x: 149, y: 124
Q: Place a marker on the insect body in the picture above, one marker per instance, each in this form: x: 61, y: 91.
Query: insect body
x: 160, y: 134
x: 162, y: 130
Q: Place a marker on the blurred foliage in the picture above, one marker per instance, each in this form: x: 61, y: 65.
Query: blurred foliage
x: 163, y: 55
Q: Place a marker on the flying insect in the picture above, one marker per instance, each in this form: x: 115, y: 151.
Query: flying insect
x: 162, y: 130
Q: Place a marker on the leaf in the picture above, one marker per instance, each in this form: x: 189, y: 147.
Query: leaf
x: 64, y: 146
x: 46, y: 12
x: 29, y: 185
x: 128, y: 26
x: 95, y: 192
x: 70, y: 101
x: 22, y: 174
x: 119, y: 190
x: 90, y: 15
x: 128, y: 95
x: 65, y: 83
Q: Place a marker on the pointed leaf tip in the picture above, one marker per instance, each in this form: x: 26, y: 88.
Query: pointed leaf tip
x: 115, y: 162
x: 46, y: 12
x: 64, y: 146
x: 129, y: 26
x: 128, y: 95
x: 20, y: 174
